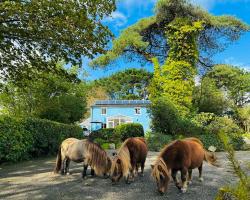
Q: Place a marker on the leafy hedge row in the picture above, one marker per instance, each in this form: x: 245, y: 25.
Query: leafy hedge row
x: 21, y: 139
x: 156, y: 141
x: 118, y: 134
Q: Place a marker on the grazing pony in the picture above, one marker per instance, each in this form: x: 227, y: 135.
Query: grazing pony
x: 131, y: 154
x: 180, y: 155
x: 82, y: 151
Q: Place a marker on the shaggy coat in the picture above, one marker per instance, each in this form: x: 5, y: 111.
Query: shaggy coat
x: 82, y: 151
x: 180, y: 155
x: 131, y: 154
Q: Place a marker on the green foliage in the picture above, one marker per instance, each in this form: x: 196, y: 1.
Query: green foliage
x: 125, y: 131
x: 241, y: 191
x: 106, y: 134
x: 34, y: 33
x: 208, y: 98
x: 127, y: 84
x: 236, y: 81
x: 62, y: 101
x: 156, y: 141
x: 15, y: 140
x: 21, y: 139
x: 146, y: 39
x: 164, y: 116
x: 211, y: 140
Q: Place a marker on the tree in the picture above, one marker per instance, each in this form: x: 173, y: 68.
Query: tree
x: 37, y: 34
x: 127, y: 84
x: 62, y: 101
x: 147, y: 39
x: 208, y: 98
x: 235, y: 81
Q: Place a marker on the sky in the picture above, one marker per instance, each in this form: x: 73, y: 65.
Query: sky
x: 130, y: 11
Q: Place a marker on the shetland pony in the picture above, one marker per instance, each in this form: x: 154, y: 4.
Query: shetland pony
x: 180, y: 155
x: 130, y: 156
x: 82, y: 151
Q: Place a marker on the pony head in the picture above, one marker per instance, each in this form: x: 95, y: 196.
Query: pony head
x: 161, y: 174
x: 121, y: 165
x: 116, y: 170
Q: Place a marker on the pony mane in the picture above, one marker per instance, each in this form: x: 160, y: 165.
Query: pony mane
x: 156, y: 172
x: 124, y: 155
x: 97, y: 157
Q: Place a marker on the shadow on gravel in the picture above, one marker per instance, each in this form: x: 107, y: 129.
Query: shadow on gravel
x: 35, y: 180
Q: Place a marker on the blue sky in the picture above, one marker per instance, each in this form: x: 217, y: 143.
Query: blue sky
x: 130, y: 11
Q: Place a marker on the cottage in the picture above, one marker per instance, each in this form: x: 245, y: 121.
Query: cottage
x: 110, y: 113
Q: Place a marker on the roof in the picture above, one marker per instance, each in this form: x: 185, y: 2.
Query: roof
x: 121, y: 102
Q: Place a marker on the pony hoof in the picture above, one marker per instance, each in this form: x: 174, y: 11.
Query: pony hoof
x: 183, y: 190
x: 190, y: 182
x: 68, y: 173
x: 201, y: 179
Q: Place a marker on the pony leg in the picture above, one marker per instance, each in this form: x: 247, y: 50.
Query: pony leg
x: 190, y: 176
x: 184, y: 173
x: 67, y: 166
x: 142, y: 168
x: 63, y: 166
x: 200, y: 173
x: 177, y: 184
x: 84, y: 172
x: 92, y: 172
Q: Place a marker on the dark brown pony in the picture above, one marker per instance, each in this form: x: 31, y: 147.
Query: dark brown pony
x: 84, y: 151
x: 180, y: 155
x: 130, y: 156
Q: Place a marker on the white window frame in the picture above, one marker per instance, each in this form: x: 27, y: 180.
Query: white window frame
x: 105, y: 110
x: 137, y: 108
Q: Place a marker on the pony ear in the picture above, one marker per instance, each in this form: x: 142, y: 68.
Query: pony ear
x: 152, y: 166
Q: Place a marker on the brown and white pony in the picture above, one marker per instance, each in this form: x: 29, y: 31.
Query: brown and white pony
x: 180, y: 155
x: 130, y: 156
x: 82, y: 151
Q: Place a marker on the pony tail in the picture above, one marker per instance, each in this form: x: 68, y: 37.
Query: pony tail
x: 210, y: 158
x: 58, y: 161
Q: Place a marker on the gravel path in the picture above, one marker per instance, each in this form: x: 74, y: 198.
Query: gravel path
x: 34, y: 180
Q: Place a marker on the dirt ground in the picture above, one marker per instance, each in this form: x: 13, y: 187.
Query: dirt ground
x: 35, y: 180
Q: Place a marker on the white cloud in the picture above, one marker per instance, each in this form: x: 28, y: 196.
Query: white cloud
x: 118, y: 18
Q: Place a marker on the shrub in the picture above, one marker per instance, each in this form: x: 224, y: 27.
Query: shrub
x: 125, y: 131
x: 165, y: 117
x: 15, y: 141
x: 156, y: 141
x: 104, y: 134
x: 48, y: 135
x: 211, y: 140
x: 24, y: 138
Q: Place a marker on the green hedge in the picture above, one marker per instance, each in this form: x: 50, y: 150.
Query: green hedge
x: 103, y: 134
x: 125, y: 131
x: 21, y: 139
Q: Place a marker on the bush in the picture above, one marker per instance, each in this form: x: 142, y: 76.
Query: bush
x: 211, y: 140
x: 15, y: 140
x: 104, y: 134
x: 157, y: 141
x: 24, y: 138
x: 48, y: 135
x: 125, y: 131
x: 165, y: 117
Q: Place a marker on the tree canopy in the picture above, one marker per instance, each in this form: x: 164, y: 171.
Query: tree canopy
x: 62, y: 101
x: 36, y: 34
x: 127, y: 84
x: 147, y: 39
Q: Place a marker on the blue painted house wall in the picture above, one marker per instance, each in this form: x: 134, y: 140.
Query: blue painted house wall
x: 119, y: 111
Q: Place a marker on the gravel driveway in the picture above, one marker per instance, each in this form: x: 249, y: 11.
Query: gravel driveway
x: 35, y: 180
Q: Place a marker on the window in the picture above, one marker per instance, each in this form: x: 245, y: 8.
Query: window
x: 138, y: 111
x: 104, y: 111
